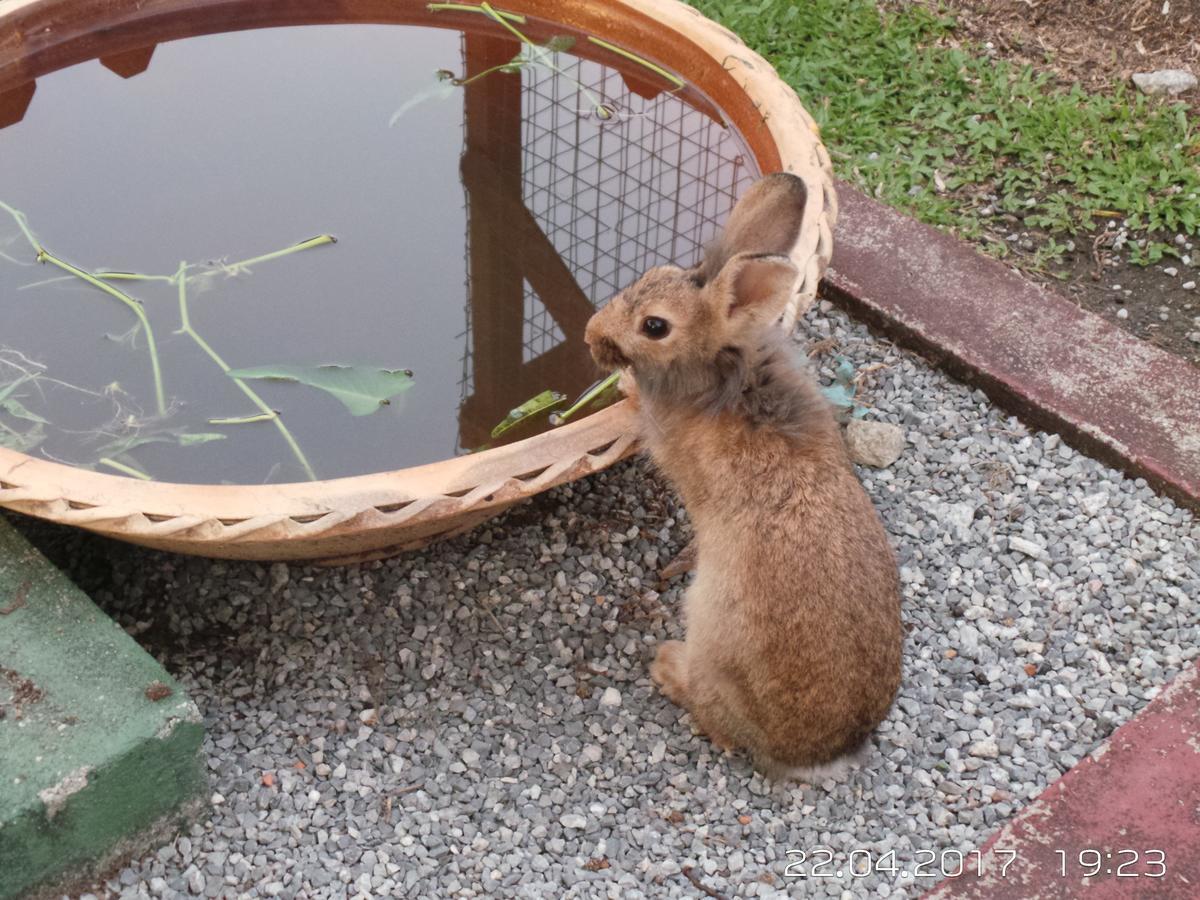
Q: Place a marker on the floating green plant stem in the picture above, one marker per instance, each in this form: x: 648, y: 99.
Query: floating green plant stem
x: 44, y: 255
x: 23, y: 224
x: 106, y: 276
x: 13, y: 259
x: 185, y: 327
x: 246, y: 420
x: 134, y: 305
x: 491, y: 13
x: 633, y: 57
x: 592, y: 395
x: 531, y: 54
x: 542, y: 58
x: 36, y: 377
x: 99, y: 280
x: 123, y: 469
x: 440, y: 89
x: 140, y: 438
x: 133, y: 276
x: 286, y: 251
x: 471, y: 7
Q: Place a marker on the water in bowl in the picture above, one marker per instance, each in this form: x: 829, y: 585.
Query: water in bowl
x: 477, y: 225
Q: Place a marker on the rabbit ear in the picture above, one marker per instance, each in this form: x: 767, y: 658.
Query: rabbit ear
x: 766, y: 220
x: 754, y: 285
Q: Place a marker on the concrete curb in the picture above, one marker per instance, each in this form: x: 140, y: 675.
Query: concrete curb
x: 1034, y: 352
x: 99, y: 747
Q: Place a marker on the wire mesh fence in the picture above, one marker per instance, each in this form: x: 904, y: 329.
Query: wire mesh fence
x: 646, y: 186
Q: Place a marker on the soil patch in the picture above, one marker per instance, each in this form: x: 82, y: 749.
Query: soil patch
x: 1094, y: 42
x: 1146, y: 300
x: 1101, y: 43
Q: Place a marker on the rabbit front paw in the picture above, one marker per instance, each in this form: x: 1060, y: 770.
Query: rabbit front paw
x: 669, y: 671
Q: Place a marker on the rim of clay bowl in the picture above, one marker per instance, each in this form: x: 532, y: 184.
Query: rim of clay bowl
x: 363, y: 517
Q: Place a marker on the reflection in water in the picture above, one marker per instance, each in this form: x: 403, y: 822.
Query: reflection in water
x: 130, y: 63
x: 15, y: 102
x: 555, y: 209
x: 565, y: 209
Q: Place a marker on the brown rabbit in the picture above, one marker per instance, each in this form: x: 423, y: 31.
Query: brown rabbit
x: 793, y: 619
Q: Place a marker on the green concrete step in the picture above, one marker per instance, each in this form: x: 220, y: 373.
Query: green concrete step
x: 99, y: 747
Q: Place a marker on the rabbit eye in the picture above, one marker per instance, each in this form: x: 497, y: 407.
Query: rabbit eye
x: 655, y: 328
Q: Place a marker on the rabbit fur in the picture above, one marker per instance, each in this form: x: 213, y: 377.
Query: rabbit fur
x: 793, y: 631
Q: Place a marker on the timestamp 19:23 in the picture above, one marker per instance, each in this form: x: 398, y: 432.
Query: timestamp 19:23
x: 822, y: 862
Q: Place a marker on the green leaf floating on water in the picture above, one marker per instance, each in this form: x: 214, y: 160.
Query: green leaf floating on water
x: 168, y: 436
x: 22, y: 443
x: 17, y: 409
x: 7, y: 390
x: 362, y: 390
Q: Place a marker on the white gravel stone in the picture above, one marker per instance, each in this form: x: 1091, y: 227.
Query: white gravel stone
x: 1165, y: 81
x: 987, y: 749
x: 1029, y: 548
x: 877, y: 444
x: 611, y: 697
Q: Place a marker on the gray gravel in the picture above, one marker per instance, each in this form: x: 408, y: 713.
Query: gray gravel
x: 477, y: 719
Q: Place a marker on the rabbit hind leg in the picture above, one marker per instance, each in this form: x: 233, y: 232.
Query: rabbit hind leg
x: 698, y: 696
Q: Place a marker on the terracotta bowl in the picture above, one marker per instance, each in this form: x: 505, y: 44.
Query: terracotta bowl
x: 370, y: 516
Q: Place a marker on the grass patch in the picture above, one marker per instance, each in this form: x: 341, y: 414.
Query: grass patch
x: 930, y: 129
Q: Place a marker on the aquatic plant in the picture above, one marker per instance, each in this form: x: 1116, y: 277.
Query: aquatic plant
x: 361, y: 389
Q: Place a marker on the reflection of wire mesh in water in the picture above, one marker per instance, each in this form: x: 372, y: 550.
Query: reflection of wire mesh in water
x: 615, y: 199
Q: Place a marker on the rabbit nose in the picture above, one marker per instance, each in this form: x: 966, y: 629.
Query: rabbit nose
x: 606, y: 353
x: 591, y: 332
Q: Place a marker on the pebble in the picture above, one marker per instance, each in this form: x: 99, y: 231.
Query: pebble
x: 611, y: 697
x: 1029, y: 548
x: 988, y: 749
x: 877, y: 444
x: 195, y: 881
x: 1164, y: 81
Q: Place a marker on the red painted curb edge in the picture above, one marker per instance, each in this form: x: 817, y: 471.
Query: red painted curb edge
x: 1136, y: 796
x: 1061, y: 368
